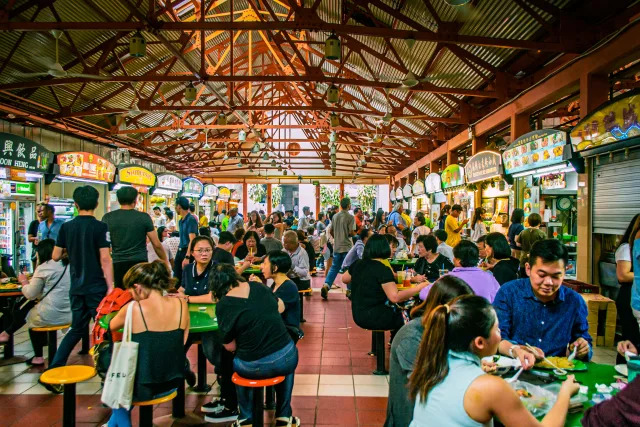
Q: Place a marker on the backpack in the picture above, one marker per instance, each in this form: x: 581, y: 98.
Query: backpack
x: 112, y: 302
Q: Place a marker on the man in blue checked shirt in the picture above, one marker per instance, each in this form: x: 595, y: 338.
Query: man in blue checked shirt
x: 539, y: 311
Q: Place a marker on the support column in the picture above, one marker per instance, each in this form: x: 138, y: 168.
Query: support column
x: 317, y: 200
x: 478, y: 144
x: 341, y: 190
x: 519, y: 125
x: 421, y: 173
x: 594, y: 91
x: 268, y: 199
x: 452, y: 157
x: 434, y: 166
x: 245, y: 199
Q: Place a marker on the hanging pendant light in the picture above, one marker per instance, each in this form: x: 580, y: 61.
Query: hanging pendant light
x: 226, y: 156
x: 256, y: 148
x: 137, y: 45
x: 333, y: 158
x: 333, y: 136
x: 334, y: 120
x: 280, y: 168
x: 190, y: 93
x: 221, y: 120
x: 242, y: 135
x: 333, y: 94
x: 284, y: 172
x: 250, y: 170
x: 273, y: 163
x: 333, y: 149
x: 265, y: 156
x: 239, y: 164
x: 332, y: 48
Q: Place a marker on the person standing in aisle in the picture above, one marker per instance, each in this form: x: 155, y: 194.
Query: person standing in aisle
x: 528, y: 237
x: 171, y: 222
x: 32, y: 233
x: 444, y: 213
x: 343, y: 226
x: 128, y: 232
x: 478, y: 229
x: 159, y: 220
x: 235, y: 221
x: 188, y: 226
x: 358, y: 215
x: 396, y: 219
x: 86, y: 242
x: 516, y: 227
x: 453, y: 227
x: 50, y: 226
x: 303, y: 223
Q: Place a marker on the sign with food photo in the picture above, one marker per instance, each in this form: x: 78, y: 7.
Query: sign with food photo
x: 86, y: 165
x: 534, y: 150
x: 192, y: 187
x: 483, y: 166
x: 224, y: 193
x: 452, y: 176
x: 614, y: 121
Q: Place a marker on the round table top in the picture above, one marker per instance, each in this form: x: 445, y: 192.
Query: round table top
x: 595, y: 374
x: 70, y: 374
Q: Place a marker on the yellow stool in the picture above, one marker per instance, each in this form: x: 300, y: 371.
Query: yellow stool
x: 146, y: 407
x: 52, y: 338
x: 68, y: 376
x: 302, y: 293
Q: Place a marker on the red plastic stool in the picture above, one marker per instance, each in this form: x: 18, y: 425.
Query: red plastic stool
x: 258, y: 394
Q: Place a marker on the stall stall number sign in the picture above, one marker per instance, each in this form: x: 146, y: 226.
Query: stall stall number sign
x: 407, y: 191
x: 553, y: 181
x: 169, y: 182
x: 398, y: 194
x: 19, y: 152
x: 452, y: 176
x: 614, y: 121
x: 136, y: 175
x: 418, y: 188
x: 392, y: 195
x: 224, y: 193
x: 192, y: 187
x: 234, y: 195
x: 433, y: 183
x: 86, y: 165
x: 211, y: 191
x: 483, y: 166
x: 534, y: 150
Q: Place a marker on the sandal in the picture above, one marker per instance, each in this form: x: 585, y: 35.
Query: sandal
x: 30, y: 362
x: 287, y: 422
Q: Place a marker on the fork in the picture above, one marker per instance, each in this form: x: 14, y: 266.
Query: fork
x: 515, y: 377
x: 573, y: 353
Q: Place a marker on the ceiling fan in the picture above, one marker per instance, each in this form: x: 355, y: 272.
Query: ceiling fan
x: 55, y: 70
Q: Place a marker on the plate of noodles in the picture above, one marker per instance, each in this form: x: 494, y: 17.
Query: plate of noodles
x: 562, y: 363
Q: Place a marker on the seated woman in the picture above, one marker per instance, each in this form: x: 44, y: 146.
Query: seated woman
x: 275, y: 266
x: 251, y: 247
x: 448, y: 383
x: 373, y: 286
x: 49, y: 284
x: 194, y: 286
x: 405, y: 347
x: 160, y: 326
x: 251, y: 327
x: 239, y: 236
x: 503, y: 265
x: 428, y: 266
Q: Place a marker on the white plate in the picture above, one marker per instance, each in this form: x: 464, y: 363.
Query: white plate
x: 622, y: 369
x: 5, y: 280
x: 504, y: 362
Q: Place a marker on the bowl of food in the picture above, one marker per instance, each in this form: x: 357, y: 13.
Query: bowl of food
x: 536, y: 399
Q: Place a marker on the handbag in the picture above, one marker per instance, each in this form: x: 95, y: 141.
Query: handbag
x: 118, y: 384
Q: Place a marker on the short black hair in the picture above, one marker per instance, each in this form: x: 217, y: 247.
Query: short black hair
x: 204, y: 231
x: 391, y: 239
x: 421, y: 219
x: 127, y: 195
x: 224, y: 211
x: 467, y: 252
x: 345, y: 203
x: 310, y: 230
x: 406, y: 233
x: 356, y: 210
x: 441, y: 235
x: 429, y: 242
x: 269, y: 229
x: 376, y: 247
x: 249, y: 234
x: 157, y: 208
x: 48, y: 208
x: 86, y: 197
x: 183, y: 202
x: 192, y: 207
x: 549, y: 250
x: 517, y: 216
x: 499, y: 245
x: 226, y: 237
x: 201, y: 238
x: 534, y: 220
x: 169, y: 215
x: 281, y: 260
x: 364, y: 233
x: 222, y: 278
x: 456, y: 207
x: 482, y: 239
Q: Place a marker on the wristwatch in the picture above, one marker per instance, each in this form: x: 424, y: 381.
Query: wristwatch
x: 513, y: 347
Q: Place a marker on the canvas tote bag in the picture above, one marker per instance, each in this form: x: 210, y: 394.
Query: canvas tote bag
x: 118, y: 384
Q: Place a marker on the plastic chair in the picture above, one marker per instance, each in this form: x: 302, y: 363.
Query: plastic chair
x: 52, y: 337
x: 146, y: 407
x: 258, y: 393
x: 68, y: 376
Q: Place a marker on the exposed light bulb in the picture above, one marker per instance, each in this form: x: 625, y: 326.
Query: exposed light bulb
x: 273, y: 163
x: 255, y: 148
x: 226, y: 156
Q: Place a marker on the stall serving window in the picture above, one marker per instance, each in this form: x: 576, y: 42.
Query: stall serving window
x: 167, y: 187
x: 483, y: 174
x: 454, y: 187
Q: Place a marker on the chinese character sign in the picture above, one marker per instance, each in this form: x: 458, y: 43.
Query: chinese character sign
x: 22, y: 153
x: 483, y: 166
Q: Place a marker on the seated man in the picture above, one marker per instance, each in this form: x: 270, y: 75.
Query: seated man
x: 443, y: 248
x: 539, y: 311
x: 299, y: 272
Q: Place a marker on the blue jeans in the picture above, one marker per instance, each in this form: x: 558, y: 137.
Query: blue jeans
x: 282, y: 362
x: 338, y: 258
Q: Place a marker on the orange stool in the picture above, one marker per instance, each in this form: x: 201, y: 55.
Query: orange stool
x: 146, y: 407
x: 258, y: 394
x: 52, y: 338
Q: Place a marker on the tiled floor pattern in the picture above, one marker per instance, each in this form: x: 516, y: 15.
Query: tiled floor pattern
x: 333, y: 384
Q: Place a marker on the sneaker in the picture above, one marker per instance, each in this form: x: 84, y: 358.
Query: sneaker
x: 287, y: 422
x: 224, y: 416
x: 324, y: 292
x: 213, y: 407
x: 238, y: 423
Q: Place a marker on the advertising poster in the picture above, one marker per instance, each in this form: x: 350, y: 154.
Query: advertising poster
x: 452, y: 176
x: 86, y: 165
x: 534, y: 150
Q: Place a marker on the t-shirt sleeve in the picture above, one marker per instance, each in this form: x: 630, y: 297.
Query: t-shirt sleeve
x: 148, y: 223
x: 102, y: 231
x: 33, y: 228
x: 623, y: 253
x: 192, y: 225
x: 353, y: 224
x: 62, y: 237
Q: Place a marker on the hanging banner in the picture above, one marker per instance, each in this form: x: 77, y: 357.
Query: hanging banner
x: 433, y: 183
x: 407, y: 191
x: 452, y: 176
x: 211, y: 191
x: 418, y: 188
x: 224, y: 193
x: 534, y: 150
x: 86, y: 165
x: 392, y: 195
x: 192, y: 187
x: 19, y: 152
x: 169, y: 181
x: 136, y: 175
x: 483, y: 166
x: 399, y: 196
x: 614, y: 121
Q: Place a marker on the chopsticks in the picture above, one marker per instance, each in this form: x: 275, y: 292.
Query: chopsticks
x: 559, y: 371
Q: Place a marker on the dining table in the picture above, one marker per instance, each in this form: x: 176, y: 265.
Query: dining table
x: 8, y: 300
x: 401, y: 264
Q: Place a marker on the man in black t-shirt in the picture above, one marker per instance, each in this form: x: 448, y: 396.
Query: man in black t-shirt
x: 128, y: 232
x: 222, y: 252
x: 86, y: 242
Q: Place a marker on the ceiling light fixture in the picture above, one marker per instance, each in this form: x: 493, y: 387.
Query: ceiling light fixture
x: 137, y: 45
x: 190, y: 93
x: 333, y: 94
x: 332, y: 48
x: 256, y: 148
x: 222, y: 119
x: 273, y: 163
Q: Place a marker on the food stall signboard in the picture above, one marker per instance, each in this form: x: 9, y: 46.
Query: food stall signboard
x: 392, y: 195
x: 433, y: 183
x: 224, y: 193
x: 22, y: 153
x: 192, y: 187
x: 613, y: 121
x: 169, y: 181
x: 483, y: 166
x: 418, y: 188
x: 452, y: 176
x: 86, y: 165
x: 534, y: 150
x: 407, y: 191
x: 136, y: 175
x: 211, y: 191
x: 399, y: 194
x: 234, y: 195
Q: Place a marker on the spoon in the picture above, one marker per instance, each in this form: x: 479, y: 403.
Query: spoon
x: 573, y: 353
x: 557, y: 371
x: 628, y: 355
x: 515, y: 377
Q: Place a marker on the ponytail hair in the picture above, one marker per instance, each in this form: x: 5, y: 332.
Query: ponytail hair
x: 451, y: 326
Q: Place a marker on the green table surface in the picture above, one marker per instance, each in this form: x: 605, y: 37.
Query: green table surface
x: 252, y: 270
x: 403, y: 261
x: 202, y: 318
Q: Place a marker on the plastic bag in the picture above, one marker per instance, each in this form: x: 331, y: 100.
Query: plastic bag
x: 539, y: 400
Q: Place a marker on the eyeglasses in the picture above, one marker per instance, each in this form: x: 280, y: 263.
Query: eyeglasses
x: 203, y: 251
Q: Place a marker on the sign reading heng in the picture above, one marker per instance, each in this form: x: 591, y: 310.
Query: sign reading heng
x: 19, y: 152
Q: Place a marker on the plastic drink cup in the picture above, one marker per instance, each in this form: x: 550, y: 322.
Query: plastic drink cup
x: 443, y: 272
x: 401, y: 275
x: 633, y: 366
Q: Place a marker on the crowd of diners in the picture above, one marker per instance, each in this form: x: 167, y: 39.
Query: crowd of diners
x: 472, y: 298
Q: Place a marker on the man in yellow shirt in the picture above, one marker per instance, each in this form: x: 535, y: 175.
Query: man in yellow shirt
x: 453, y: 227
